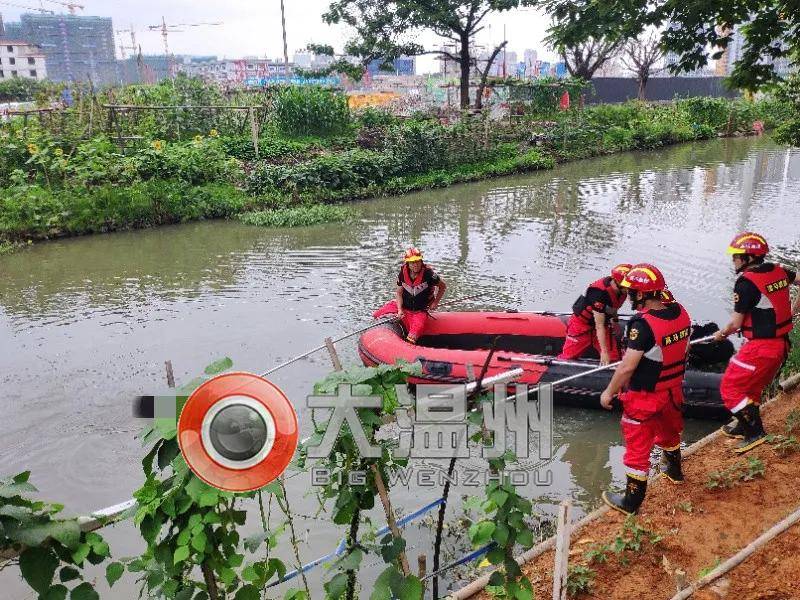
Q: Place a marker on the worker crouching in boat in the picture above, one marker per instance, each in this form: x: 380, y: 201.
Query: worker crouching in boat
x: 652, y: 372
x: 763, y: 312
x: 593, y: 323
x: 419, y: 290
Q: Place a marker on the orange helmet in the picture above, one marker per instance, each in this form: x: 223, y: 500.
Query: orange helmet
x: 748, y: 243
x: 644, y: 277
x: 618, y: 272
x: 412, y: 255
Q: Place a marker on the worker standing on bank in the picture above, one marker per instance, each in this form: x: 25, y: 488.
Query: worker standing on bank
x: 652, y: 373
x: 763, y: 312
x: 419, y: 290
x: 593, y: 320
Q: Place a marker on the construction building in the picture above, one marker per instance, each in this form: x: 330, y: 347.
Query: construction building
x: 76, y: 48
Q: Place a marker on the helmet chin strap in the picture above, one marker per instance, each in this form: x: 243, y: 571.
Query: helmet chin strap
x: 637, y: 300
x: 745, y: 263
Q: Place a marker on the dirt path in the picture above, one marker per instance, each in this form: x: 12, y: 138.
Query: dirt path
x: 698, y: 528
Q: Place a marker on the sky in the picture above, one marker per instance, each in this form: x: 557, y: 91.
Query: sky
x: 253, y: 27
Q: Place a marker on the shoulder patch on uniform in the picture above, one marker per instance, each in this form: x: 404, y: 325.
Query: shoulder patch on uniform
x: 633, y: 334
x: 735, y: 298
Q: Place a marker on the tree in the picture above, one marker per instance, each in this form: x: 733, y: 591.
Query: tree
x: 388, y: 29
x: 485, y: 73
x: 695, y: 30
x: 582, y: 59
x: 19, y: 89
x: 639, y: 56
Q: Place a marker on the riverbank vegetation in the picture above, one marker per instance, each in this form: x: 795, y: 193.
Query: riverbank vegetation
x: 120, y: 160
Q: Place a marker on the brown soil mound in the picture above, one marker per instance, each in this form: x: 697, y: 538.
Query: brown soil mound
x: 700, y: 527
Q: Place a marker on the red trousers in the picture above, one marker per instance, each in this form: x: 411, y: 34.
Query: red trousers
x: 750, y: 371
x: 414, y: 321
x: 581, y: 336
x: 650, y: 419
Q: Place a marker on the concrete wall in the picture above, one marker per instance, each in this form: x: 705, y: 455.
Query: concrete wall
x: 620, y: 89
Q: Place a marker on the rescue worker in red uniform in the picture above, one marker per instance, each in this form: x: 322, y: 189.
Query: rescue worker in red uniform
x: 763, y: 312
x: 652, y: 373
x: 593, y: 322
x: 419, y: 290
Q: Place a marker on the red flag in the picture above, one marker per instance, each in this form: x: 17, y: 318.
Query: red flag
x: 564, y: 103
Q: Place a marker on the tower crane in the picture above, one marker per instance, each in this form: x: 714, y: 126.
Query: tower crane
x: 71, y: 6
x: 166, y: 29
x: 122, y: 47
x: 41, y: 10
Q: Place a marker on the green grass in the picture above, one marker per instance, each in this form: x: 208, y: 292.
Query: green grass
x: 298, y: 216
x: 792, y: 364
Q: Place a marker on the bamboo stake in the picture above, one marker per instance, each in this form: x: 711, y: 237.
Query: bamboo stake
x: 562, y: 551
x: 384, y: 495
x: 740, y: 556
x: 254, y: 129
x: 337, y: 364
x: 387, y: 508
x: 170, y: 374
x: 790, y: 383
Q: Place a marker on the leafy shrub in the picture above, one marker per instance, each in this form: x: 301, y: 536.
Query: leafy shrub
x: 199, y: 161
x: 618, y: 138
x: 19, y: 89
x: 94, y: 162
x: 298, y: 216
x: 35, y: 212
x: 375, y: 117
x: 418, y: 146
x: 350, y: 169
x: 309, y: 110
x: 712, y: 112
x: 271, y: 149
x: 609, y: 115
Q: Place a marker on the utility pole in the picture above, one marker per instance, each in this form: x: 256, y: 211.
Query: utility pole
x: 505, y: 65
x: 285, y: 47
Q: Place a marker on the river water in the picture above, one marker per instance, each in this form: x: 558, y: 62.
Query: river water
x: 86, y: 324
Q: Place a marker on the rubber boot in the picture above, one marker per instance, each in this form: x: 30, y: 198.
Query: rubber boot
x: 754, y: 434
x: 628, y: 503
x: 734, y: 429
x: 671, y: 465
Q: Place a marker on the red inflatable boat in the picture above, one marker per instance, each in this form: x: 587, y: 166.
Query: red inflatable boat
x: 453, y: 340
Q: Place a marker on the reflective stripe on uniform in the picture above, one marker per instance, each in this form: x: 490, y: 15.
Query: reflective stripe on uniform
x: 745, y: 401
x: 631, y: 421
x: 744, y: 365
x: 636, y: 474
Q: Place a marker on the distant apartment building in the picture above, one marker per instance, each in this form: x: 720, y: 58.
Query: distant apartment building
x: 76, y: 48
x: 504, y: 65
x: 530, y: 62
x: 670, y: 59
x: 20, y: 59
x: 727, y: 62
x: 248, y: 70
x: 405, y: 65
x: 310, y: 61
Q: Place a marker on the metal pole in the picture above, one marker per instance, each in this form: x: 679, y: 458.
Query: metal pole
x: 613, y: 365
x: 352, y: 333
